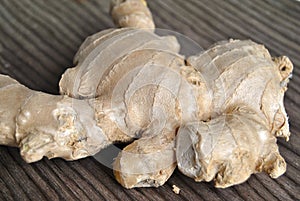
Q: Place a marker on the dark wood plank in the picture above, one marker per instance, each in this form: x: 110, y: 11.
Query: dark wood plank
x: 38, y: 39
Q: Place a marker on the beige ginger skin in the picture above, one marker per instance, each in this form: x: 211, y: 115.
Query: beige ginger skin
x: 216, y: 114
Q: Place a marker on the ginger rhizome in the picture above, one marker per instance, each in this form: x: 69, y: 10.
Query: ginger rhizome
x: 216, y: 114
x: 41, y: 124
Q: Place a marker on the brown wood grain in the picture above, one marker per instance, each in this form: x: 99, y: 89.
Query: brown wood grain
x: 38, y: 39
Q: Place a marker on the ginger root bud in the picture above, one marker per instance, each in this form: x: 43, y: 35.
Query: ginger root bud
x: 131, y: 13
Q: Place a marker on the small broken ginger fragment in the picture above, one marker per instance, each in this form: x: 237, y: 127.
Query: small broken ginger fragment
x: 176, y: 189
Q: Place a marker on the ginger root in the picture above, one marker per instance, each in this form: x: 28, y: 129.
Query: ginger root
x: 41, y: 124
x: 216, y: 115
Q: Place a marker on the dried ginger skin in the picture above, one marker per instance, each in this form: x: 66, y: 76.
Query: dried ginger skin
x: 97, y: 54
x: 123, y: 110
x: 132, y: 13
x: 46, y: 125
x: 280, y: 124
x: 147, y: 162
x: 12, y: 96
x: 247, y: 114
x: 105, y: 36
x: 243, y: 72
x: 228, y: 149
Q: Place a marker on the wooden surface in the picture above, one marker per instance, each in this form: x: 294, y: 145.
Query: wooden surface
x: 38, y: 39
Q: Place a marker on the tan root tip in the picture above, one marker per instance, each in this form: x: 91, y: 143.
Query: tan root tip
x: 132, y: 13
x: 285, y: 66
x: 279, y: 167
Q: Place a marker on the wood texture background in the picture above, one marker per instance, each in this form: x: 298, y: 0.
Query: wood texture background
x: 38, y: 39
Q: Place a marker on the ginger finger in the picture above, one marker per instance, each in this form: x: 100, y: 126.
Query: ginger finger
x: 147, y: 162
x: 131, y: 13
x: 12, y: 96
x: 47, y: 125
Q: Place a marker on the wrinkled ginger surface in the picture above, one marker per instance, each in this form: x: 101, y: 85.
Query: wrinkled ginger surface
x: 215, y: 115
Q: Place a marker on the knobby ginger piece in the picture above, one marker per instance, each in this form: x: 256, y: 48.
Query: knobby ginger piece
x: 97, y: 54
x: 131, y: 13
x: 228, y: 149
x: 243, y: 72
x: 147, y: 162
x: 46, y: 125
x: 247, y: 113
x: 12, y: 96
